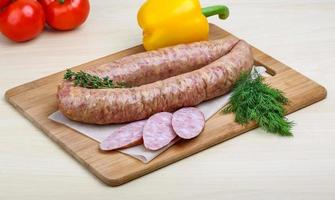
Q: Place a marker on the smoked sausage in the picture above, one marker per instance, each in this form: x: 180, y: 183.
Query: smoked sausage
x: 151, y: 66
x: 108, y: 106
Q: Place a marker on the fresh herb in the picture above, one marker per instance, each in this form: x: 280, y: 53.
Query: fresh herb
x: 91, y: 81
x: 252, y: 99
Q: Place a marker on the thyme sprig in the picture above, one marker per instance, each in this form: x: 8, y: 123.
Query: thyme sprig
x: 254, y: 100
x: 86, y: 80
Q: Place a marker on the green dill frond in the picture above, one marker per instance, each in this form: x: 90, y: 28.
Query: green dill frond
x: 254, y: 100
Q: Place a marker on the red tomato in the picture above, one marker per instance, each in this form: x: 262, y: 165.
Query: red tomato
x: 65, y: 14
x: 22, y: 20
x: 45, y: 2
x: 4, y: 3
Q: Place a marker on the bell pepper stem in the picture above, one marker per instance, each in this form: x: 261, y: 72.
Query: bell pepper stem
x: 220, y: 10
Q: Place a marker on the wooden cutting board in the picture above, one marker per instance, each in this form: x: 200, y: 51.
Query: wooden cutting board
x: 37, y: 100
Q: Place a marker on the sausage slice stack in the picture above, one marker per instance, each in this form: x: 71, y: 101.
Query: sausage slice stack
x: 158, y: 131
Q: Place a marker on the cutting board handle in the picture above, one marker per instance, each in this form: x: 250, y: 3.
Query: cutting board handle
x: 272, y: 65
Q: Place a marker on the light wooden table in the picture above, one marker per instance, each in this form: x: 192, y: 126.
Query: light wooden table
x: 256, y: 165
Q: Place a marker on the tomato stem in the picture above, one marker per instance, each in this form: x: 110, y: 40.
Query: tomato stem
x: 61, y: 1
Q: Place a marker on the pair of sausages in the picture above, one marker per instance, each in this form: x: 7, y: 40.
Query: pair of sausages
x: 164, y: 80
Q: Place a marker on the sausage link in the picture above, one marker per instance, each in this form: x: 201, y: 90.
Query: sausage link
x: 106, y: 106
x: 151, y: 66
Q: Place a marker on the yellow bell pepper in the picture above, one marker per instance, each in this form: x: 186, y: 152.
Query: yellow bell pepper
x: 171, y: 22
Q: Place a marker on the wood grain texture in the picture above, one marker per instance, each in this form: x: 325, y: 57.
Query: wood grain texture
x: 36, y: 101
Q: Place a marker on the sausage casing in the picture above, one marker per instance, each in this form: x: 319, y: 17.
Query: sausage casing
x: 147, y: 67
x: 107, y: 106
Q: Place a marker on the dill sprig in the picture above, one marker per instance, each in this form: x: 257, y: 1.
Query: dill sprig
x: 91, y: 81
x: 254, y: 100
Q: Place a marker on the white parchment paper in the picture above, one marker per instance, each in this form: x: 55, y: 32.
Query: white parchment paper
x: 100, y: 132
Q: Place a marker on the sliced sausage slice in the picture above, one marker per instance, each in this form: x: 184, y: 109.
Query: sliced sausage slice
x: 126, y: 136
x: 158, y: 131
x: 188, y: 122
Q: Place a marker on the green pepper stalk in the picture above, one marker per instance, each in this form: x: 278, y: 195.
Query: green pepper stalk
x: 220, y: 10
